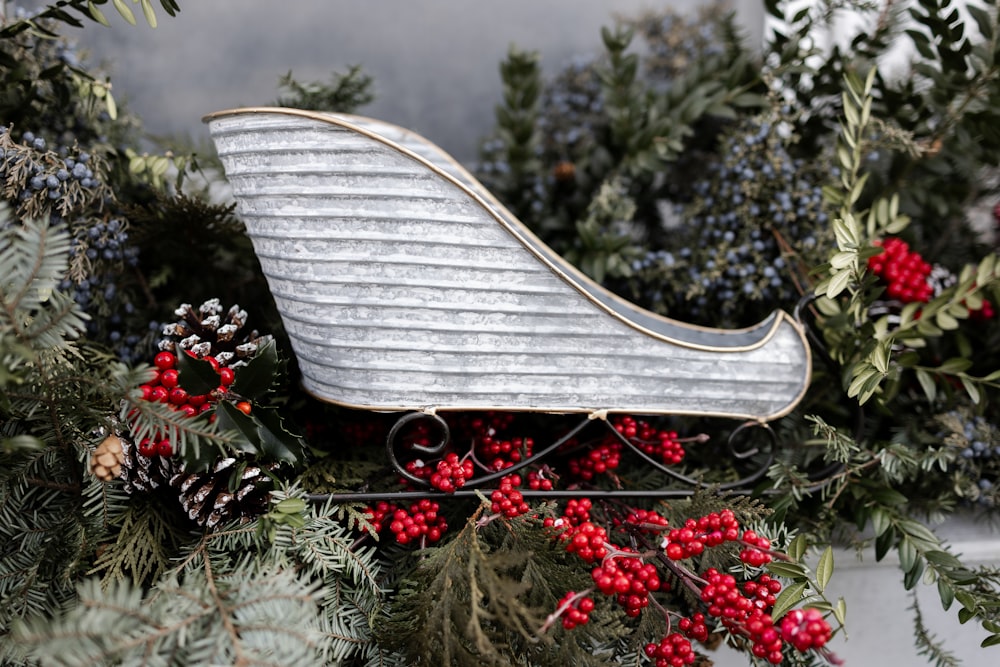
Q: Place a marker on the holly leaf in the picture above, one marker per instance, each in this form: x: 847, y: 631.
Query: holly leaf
x: 254, y: 379
x: 230, y: 418
x: 277, y: 443
x: 262, y: 431
x: 196, y: 376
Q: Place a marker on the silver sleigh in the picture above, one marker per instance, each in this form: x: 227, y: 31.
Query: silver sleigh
x: 405, y: 286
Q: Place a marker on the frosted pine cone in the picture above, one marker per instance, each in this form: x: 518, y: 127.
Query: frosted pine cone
x: 208, y: 331
x: 233, y: 489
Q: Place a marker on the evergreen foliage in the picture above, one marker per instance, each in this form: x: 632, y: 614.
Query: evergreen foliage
x: 678, y: 167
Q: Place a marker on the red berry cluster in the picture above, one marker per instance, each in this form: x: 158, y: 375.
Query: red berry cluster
x: 805, y: 629
x: 629, y: 579
x: 694, y: 627
x: 451, y: 473
x: 708, y: 531
x: 421, y: 522
x: 587, y: 541
x: 762, y: 591
x: 165, y: 388
x: 756, y: 549
x: 905, y: 272
x: 379, y: 514
x: 418, y: 469
x: 599, y: 459
x: 646, y: 521
x: 575, y: 609
x: 494, y: 451
x: 577, y: 511
x: 658, y: 444
x: 742, y: 615
x: 537, y: 481
x: 674, y: 650
x: 507, y: 500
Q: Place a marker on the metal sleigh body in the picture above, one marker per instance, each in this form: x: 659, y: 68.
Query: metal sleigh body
x: 405, y: 286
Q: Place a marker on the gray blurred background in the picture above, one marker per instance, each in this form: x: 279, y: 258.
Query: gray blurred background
x: 434, y: 62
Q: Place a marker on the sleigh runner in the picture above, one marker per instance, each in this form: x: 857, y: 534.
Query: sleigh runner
x: 404, y: 285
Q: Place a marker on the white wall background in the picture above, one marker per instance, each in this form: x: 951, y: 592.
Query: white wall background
x: 434, y: 62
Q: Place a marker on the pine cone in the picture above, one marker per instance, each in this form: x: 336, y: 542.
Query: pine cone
x: 232, y: 489
x: 142, y: 474
x: 207, y: 332
x: 106, y: 461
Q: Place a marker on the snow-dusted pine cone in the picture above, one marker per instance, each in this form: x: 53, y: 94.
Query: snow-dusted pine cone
x: 211, y: 331
x: 233, y: 489
x: 142, y: 474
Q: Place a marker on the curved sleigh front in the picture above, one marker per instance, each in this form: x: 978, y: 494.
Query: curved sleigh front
x: 404, y: 285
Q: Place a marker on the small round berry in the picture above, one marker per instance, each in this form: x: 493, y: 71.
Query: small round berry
x: 227, y: 376
x: 164, y: 448
x: 164, y: 360
x: 244, y: 407
x: 170, y: 378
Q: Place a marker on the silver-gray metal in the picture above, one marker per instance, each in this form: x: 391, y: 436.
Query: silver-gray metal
x: 404, y: 285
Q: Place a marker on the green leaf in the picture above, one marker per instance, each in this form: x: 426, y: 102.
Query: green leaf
x: 884, y: 542
x: 787, y: 599
x: 971, y: 389
x: 125, y: 11
x: 942, y: 559
x: 838, y: 283
x: 147, y: 10
x: 946, y: 593
x: 97, y: 14
x: 291, y: 506
x: 787, y: 570
x: 824, y: 569
x: 840, y: 611
x: 277, y: 443
x: 946, y: 321
x: 927, y: 384
x: 196, y: 376
x: 966, y: 600
x: 880, y: 521
x: 230, y: 418
x: 797, y: 547
x: 254, y: 379
x: 907, y: 554
x: 955, y: 365
x: 992, y: 640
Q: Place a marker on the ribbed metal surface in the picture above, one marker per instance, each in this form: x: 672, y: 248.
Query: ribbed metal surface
x: 402, y: 289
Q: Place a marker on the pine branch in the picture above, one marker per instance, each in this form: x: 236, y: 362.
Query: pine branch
x: 231, y: 616
x: 33, y: 260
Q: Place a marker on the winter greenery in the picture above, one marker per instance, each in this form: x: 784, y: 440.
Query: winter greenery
x: 700, y: 178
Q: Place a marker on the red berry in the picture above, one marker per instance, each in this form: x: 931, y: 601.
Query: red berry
x: 244, y: 407
x: 178, y: 396
x: 227, y: 376
x: 164, y: 360
x: 164, y: 448
x: 169, y: 378
x: 147, y: 447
